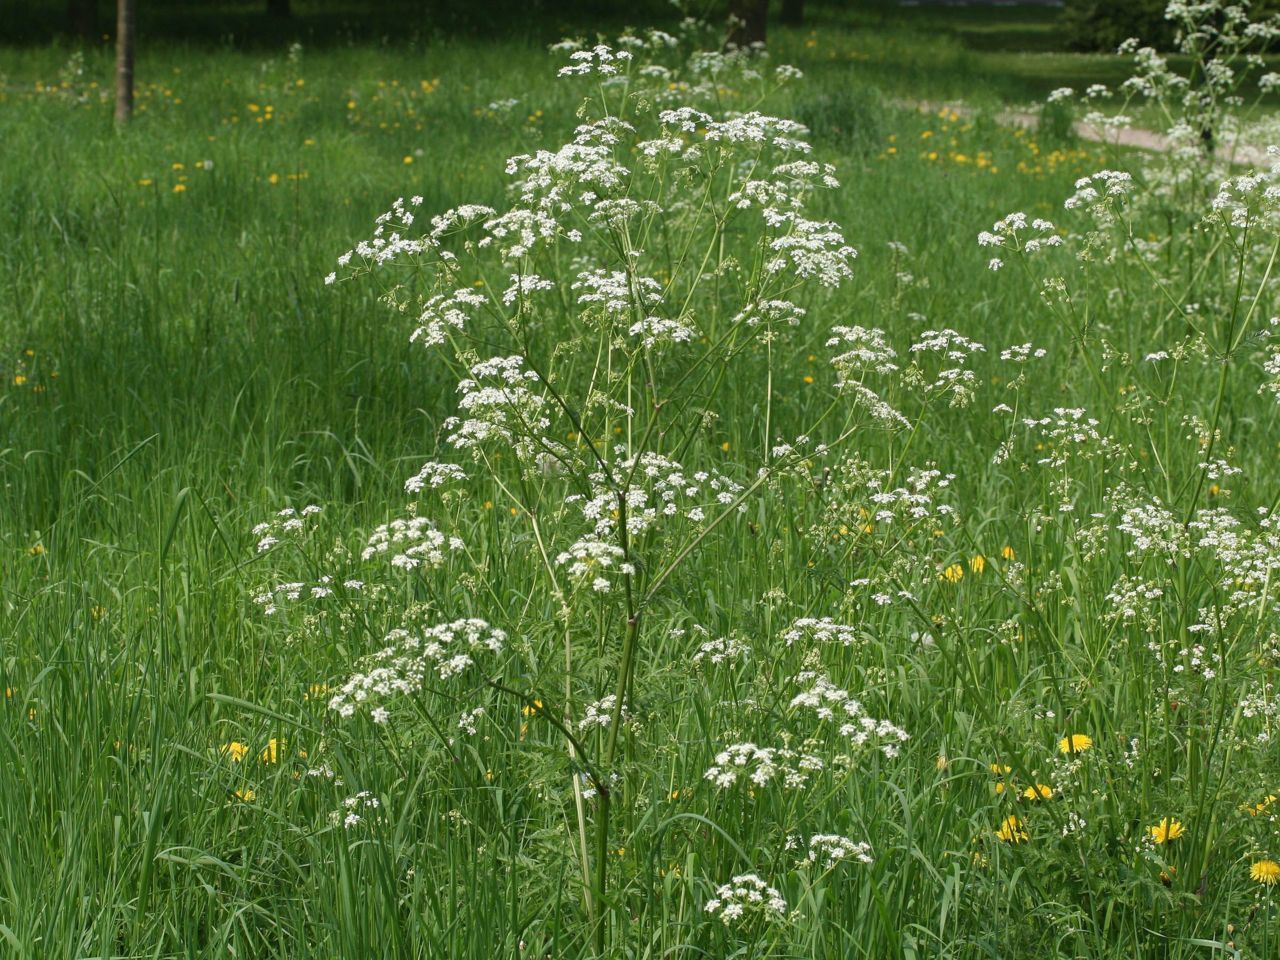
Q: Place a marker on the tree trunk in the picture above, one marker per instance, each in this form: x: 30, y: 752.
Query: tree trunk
x: 793, y: 12
x: 279, y: 8
x: 82, y: 18
x: 124, y: 60
x: 747, y: 21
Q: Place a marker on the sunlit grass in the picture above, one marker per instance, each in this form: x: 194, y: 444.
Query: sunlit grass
x: 175, y: 370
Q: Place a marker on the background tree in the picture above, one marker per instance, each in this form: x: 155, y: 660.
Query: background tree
x: 793, y: 12
x: 82, y: 18
x: 748, y: 21
x: 124, y: 60
x: 279, y: 8
x: 1103, y: 25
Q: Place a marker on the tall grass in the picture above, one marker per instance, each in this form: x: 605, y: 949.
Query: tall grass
x: 176, y: 371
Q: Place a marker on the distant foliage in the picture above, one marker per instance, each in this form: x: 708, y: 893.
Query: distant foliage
x: 1103, y: 25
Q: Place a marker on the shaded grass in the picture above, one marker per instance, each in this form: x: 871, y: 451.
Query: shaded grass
x: 205, y: 377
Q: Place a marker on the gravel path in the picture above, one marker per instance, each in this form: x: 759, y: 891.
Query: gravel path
x: 1234, y: 153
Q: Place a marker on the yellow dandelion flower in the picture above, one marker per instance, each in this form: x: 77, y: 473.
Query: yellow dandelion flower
x: 977, y: 563
x: 1265, y: 872
x: 408, y: 160
x: 808, y: 379
x: 245, y: 794
x: 1256, y: 808
x: 19, y: 379
x: 1166, y: 831
x: 1075, y: 743
x: 1007, y: 552
x: 953, y: 573
x: 529, y: 709
x: 1040, y: 791
x: 1012, y: 830
x: 235, y: 751
x: 271, y: 752
x: 179, y: 187
x: 999, y: 769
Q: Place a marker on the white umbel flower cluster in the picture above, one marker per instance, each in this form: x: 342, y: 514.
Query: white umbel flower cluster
x: 661, y: 488
x: 721, y: 651
x: 590, y: 559
x: 441, y: 313
x: 410, y: 659
x: 411, y: 542
x: 287, y: 523
x: 863, y: 351
x: 834, y: 704
x: 821, y: 630
x: 498, y: 405
x: 746, y: 898
x: 828, y: 850
x: 355, y: 809
x: 599, y: 715
x: 270, y: 597
x: 434, y: 475
x: 762, y: 766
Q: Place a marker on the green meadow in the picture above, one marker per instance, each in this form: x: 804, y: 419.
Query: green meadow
x: 1053, y: 575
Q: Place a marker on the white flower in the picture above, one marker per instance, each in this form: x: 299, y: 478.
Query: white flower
x: 589, y: 559
x: 600, y: 714
x: 723, y: 650
x: 747, y: 897
x: 828, y: 849
x: 434, y: 475
x: 412, y: 658
x: 411, y: 543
